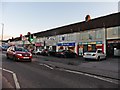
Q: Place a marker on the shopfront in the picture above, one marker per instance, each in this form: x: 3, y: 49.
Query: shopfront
x: 39, y: 46
x: 66, y: 46
x: 90, y: 46
x: 113, y: 48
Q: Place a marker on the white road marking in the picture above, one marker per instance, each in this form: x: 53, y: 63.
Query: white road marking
x: 46, y: 66
x: 90, y: 75
x: 41, y: 64
x: 94, y: 76
x: 17, y: 85
x: 16, y: 81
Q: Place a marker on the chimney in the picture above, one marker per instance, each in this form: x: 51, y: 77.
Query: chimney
x: 87, y: 18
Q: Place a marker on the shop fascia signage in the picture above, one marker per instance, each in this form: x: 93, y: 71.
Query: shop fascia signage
x: 114, y: 41
x: 38, y: 44
x: 97, y: 42
x: 66, y: 44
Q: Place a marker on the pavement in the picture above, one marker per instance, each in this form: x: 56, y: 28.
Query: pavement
x: 106, y: 68
x: 4, y: 83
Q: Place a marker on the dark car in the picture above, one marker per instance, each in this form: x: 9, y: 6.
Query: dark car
x: 51, y: 52
x: 47, y: 52
x: 44, y: 52
x: 18, y: 54
x: 66, y: 54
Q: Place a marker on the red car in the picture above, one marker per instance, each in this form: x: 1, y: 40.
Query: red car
x: 19, y: 54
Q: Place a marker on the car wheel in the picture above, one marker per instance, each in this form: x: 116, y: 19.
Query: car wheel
x: 105, y: 58
x: 30, y: 60
x: 98, y: 58
x: 14, y: 58
x: 85, y: 58
x: 75, y: 56
x: 65, y: 56
x: 48, y: 54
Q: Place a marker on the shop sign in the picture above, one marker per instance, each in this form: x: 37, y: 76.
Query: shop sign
x: 83, y: 43
x: 114, y: 41
x: 99, y: 42
x: 66, y: 44
x: 80, y: 43
x: 37, y: 44
x: 91, y: 42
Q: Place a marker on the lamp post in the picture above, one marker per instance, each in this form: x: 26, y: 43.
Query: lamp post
x: 2, y: 32
x: 105, y: 39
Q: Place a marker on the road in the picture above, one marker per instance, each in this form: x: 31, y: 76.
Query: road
x: 35, y: 75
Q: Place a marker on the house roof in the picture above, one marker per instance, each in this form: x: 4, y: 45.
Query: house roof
x: 111, y: 20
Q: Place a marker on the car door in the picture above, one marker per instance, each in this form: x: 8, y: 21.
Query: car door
x: 10, y: 52
x: 100, y: 53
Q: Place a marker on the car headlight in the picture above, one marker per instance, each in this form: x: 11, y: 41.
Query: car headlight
x: 30, y: 54
x: 19, y: 54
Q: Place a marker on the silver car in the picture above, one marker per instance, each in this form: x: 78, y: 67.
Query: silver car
x: 38, y: 51
x: 98, y: 55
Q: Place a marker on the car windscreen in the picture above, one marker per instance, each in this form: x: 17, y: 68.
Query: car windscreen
x: 61, y: 50
x: 92, y: 51
x: 21, y: 49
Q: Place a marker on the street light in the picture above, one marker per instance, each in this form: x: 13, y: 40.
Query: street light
x: 105, y: 38
x: 2, y: 32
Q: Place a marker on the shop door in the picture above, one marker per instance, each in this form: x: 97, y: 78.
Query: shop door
x: 54, y: 48
x: 110, y: 50
x: 85, y: 48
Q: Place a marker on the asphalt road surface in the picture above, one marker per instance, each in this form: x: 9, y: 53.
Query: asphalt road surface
x: 34, y: 75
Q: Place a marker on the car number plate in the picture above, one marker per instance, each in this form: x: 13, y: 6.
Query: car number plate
x: 26, y: 57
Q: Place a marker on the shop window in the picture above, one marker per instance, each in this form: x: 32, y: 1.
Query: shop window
x: 63, y: 38
x: 71, y: 48
x: 61, y: 47
x: 85, y: 48
x: 99, y: 34
x: 99, y: 46
x: 89, y: 47
x: 85, y: 36
x: 81, y: 50
x: 114, y: 31
x: 92, y: 47
x: 99, y: 51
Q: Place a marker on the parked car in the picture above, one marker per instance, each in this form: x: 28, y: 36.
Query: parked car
x: 97, y: 55
x: 37, y: 52
x: 18, y: 54
x: 0, y: 48
x: 51, y: 52
x: 5, y: 47
x: 48, y: 52
x: 66, y: 53
x: 45, y: 52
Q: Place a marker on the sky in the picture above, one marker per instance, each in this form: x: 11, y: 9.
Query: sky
x: 35, y: 16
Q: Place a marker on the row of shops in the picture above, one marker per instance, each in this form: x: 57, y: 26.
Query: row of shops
x: 99, y: 33
x: 112, y: 47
